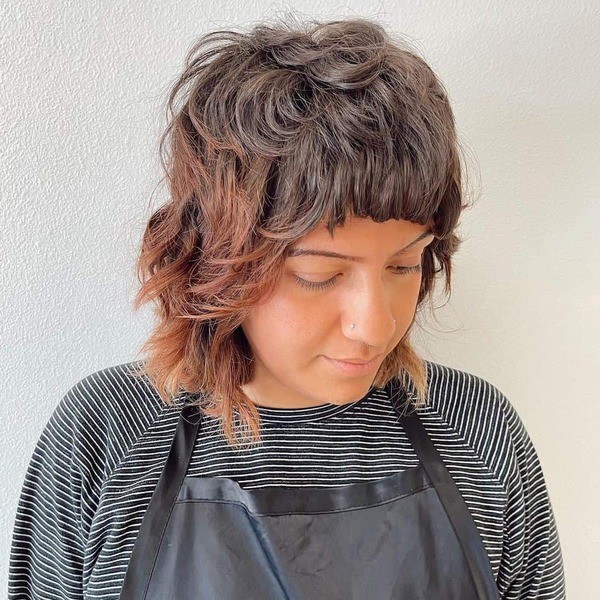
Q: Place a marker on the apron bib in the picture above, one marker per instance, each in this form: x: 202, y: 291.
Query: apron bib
x: 407, y: 536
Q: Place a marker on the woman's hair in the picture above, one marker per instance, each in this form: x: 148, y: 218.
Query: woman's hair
x: 271, y: 133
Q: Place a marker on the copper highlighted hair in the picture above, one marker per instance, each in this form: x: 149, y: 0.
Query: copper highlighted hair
x: 270, y: 133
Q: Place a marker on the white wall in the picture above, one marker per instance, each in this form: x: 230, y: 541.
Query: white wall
x: 82, y: 95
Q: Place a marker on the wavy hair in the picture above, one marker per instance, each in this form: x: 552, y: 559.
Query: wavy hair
x: 272, y: 132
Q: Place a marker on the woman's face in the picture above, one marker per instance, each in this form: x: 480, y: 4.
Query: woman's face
x: 295, y: 333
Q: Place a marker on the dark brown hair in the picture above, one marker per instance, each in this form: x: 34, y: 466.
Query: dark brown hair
x: 270, y: 133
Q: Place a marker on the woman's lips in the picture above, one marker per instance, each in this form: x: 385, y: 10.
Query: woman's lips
x: 354, y: 368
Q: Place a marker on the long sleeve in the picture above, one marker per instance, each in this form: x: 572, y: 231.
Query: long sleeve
x: 47, y: 551
x: 531, y: 566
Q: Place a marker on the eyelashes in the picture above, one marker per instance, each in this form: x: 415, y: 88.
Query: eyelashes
x: 321, y: 285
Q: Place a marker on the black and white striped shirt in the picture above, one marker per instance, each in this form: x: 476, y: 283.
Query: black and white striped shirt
x: 97, y: 461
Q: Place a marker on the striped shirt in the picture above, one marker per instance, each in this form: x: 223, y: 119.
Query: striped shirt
x: 98, y: 460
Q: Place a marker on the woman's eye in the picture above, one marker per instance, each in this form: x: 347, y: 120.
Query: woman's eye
x: 407, y: 270
x: 320, y: 285
x: 315, y: 285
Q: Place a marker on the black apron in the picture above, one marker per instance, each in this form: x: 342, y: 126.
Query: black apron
x: 407, y: 536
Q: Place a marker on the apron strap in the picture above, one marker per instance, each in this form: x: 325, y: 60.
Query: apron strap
x: 156, y: 517
x: 454, y: 504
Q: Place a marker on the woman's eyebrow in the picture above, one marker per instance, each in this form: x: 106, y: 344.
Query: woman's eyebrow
x: 315, y: 252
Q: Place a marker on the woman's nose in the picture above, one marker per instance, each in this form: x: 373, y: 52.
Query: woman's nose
x: 370, y: 311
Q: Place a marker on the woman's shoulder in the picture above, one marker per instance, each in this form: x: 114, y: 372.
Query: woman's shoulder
x: 478, y: 412
x: 106, y: 412
x: 451, y: 390
x: 118, y: 392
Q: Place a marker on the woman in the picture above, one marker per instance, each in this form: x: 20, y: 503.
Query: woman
x: 281, y: 438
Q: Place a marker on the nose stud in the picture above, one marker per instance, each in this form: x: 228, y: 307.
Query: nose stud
x: 352, y: 324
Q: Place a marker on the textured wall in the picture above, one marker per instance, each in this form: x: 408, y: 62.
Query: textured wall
x: 81, y: 95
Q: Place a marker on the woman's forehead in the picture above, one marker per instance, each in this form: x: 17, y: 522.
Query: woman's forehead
x: 355, y: 228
